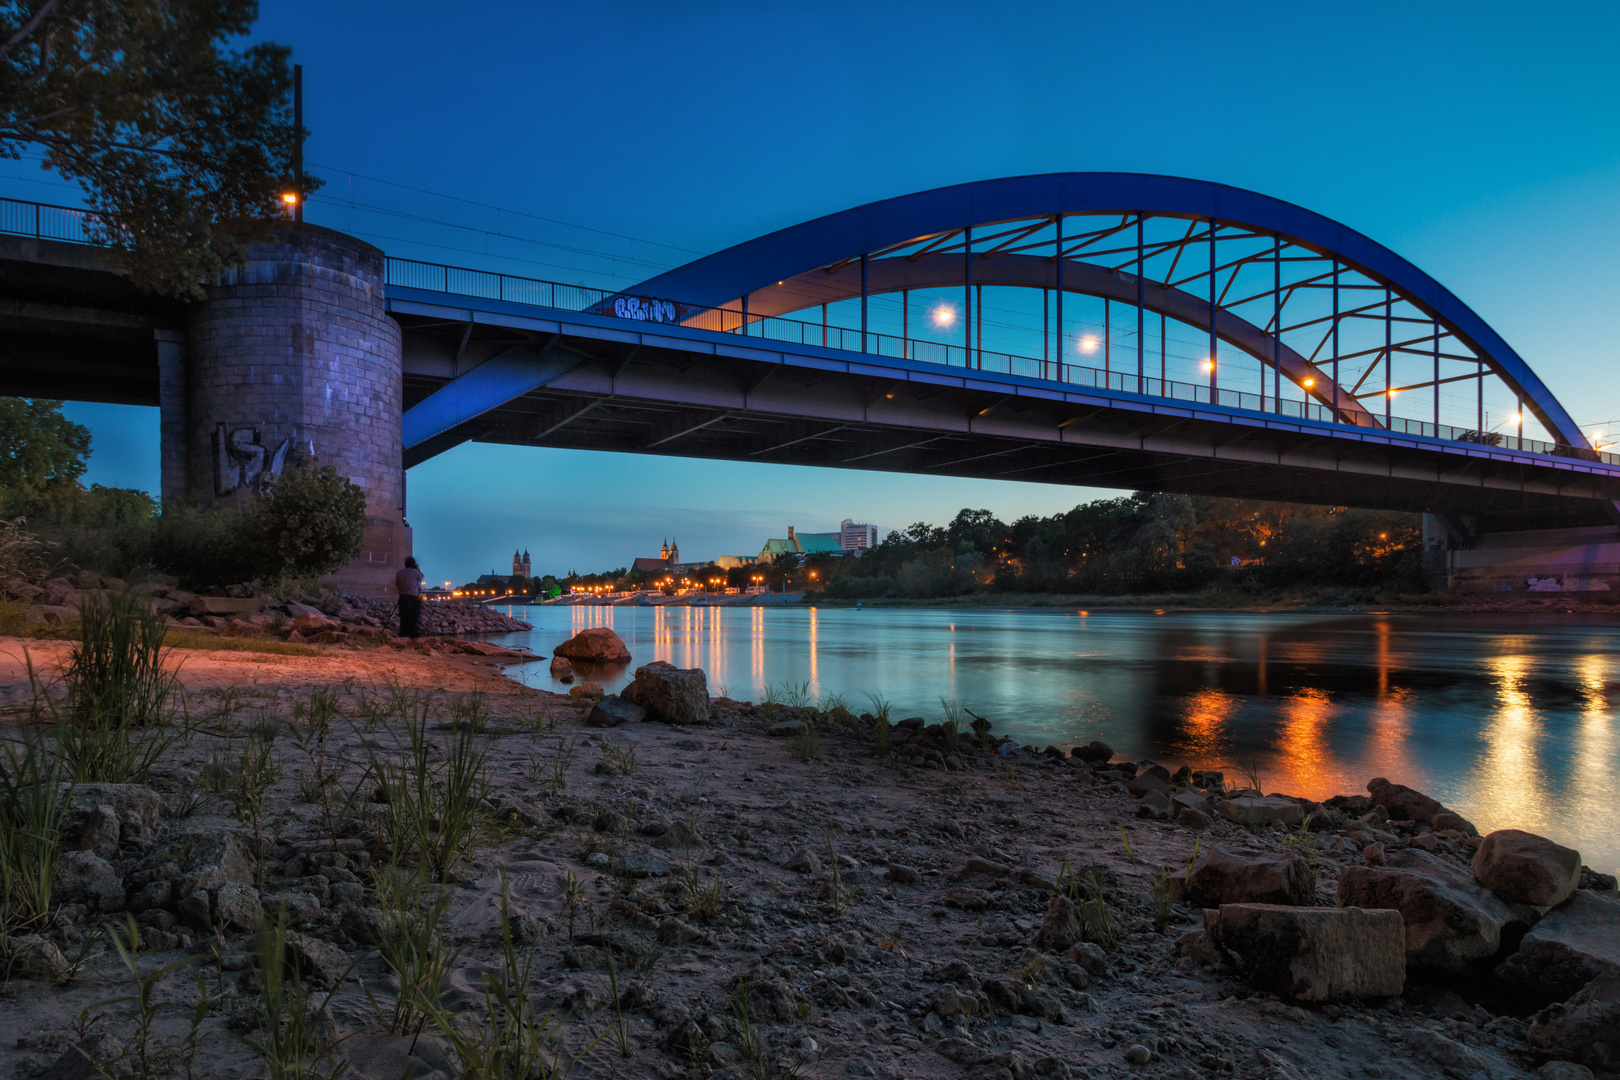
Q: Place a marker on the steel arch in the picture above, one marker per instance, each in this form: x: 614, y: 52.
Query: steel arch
x: 759, y: 265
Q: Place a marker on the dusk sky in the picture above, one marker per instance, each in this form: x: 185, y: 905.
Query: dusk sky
x: 1480, y: 141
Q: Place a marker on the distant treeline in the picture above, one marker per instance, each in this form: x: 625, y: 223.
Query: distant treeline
x: 1141, y: 543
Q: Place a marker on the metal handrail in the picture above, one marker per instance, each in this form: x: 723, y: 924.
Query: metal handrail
x: 491, y: 285
x: 44, y: 221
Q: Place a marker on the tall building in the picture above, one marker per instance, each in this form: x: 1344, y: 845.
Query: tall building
x: 854, y: 537
x: 520, y: 564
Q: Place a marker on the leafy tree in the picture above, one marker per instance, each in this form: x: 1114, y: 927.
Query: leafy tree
x: 182, y: 145
x: 310, y: 521
x: 40, y: 450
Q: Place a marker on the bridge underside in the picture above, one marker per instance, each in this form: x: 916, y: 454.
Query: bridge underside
x: 571, y: 383
x: 75, y: 332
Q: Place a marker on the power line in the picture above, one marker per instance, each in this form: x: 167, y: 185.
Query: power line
x: 505, y: 210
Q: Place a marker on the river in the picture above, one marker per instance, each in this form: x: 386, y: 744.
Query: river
x: 1507, y: 719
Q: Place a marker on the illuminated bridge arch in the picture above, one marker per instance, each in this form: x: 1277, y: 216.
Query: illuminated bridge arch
x: 1156, y: 285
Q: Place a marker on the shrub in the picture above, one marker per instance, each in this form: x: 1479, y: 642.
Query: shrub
x: 310, y: 521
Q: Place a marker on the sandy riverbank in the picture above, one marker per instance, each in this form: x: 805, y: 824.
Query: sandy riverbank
x: 776, y: 906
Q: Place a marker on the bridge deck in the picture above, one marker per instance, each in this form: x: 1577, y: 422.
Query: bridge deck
x: 573, y: 379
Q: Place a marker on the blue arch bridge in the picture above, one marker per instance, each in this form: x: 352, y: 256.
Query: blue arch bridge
x: 1108, y: 329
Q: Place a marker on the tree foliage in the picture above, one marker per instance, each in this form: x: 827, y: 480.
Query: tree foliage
x: 310, y: 520
x: 41, y: 451
x: 1142, y: 543
x: 181, y: 143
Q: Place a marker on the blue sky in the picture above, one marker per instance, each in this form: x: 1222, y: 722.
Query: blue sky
x: 1479, y: 140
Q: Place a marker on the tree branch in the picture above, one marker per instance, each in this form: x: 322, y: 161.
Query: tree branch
x: 33, y: 24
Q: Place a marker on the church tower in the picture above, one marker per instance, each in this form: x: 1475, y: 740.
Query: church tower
x: 517, y: 563
x: 674, y: 555
x: 526, y: 564
x: 663, y: 552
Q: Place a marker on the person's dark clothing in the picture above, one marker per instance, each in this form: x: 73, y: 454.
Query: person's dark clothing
x: 408, y: 580
x: 410, y: 615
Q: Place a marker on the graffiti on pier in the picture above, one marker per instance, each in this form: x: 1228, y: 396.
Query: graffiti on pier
x: 241, y: 461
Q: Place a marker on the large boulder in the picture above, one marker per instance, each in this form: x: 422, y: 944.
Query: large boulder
x: 1255, y: 812
x: 1060, y: 928
x: 1314, y: 954
x: 1574, y: 943
x: 1150, y: 778
x: 100, y: 816
x: 83, y: 877
x: 210, y: 858
x: 1451, y: 920
x: 1221, y: 876
x: 1403, y: 803
x: 1523, y: 868
x: 612, y: 711
x: 1096, y: 752
x: 1584, y: 1029
x: 598, y: 645
x: 670, y: 694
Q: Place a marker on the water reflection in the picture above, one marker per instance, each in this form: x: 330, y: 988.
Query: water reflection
x: 1509, y: 780
x: 1506, y: 718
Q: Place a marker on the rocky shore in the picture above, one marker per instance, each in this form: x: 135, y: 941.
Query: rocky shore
x: 332, y: 617
x: 703, y: 887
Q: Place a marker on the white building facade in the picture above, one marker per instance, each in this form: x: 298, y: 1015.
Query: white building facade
x: 854, y: 537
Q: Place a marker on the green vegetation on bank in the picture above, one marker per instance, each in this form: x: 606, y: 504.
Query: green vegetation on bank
x: 1178, y: 549
x: 307, y: 522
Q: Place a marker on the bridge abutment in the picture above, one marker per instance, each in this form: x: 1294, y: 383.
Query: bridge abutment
x: 1530, y: 562
x: 292, y: 359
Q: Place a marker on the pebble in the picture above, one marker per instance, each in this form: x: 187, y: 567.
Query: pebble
x: 1138, y: 1055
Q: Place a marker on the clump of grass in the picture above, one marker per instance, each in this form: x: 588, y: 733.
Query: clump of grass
x: 573, y: 899
x: 1164, y: 900
x: 433, y: 796
x: 744, y: 1034
x: 840, y: 897
x: 1099, y: 923
x: 1124, y: 838
x: 619, y: 755
x: 552, y: 773
x: 511, y: 1039
x: 412, y: 943
x: 256, y: 772
x: 881, y: 709
x: 116, y: 675
x: 32, y: 798
x: 806, y: 745
x: 145, y: 1053
x: 791, y: 695
x: 110, y: 726
x: 290, y: 1037
x: 470, y: 712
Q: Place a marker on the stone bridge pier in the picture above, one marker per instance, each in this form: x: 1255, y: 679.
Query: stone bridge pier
x: 291, y: 359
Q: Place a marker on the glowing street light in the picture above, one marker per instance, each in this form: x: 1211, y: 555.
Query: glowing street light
x: 944, y: 315
x: 1308, y: 383
x: 1088, y: 344
x: 1209, y: 365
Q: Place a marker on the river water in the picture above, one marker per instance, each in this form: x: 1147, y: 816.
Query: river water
x: 1508, y: 719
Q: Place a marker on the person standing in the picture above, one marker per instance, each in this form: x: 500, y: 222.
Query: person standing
x: 408, y: 580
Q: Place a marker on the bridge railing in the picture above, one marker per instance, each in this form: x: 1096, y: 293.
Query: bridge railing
x: 45, y: 221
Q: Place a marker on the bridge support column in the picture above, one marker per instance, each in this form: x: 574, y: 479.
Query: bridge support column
x: 172, y: 427
x: 293, y: 359
x: 1528, y: 563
